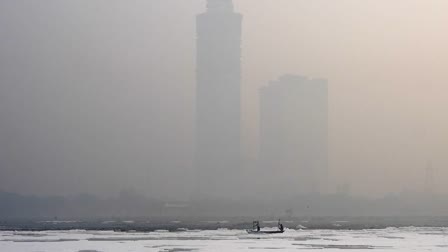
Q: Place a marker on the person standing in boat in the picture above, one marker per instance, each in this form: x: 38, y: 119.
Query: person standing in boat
x: 280, y: 226
x: 257, y: 225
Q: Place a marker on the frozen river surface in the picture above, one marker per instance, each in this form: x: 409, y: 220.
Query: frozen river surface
x: 391, y: 239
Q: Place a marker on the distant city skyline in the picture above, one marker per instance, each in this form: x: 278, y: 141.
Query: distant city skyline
x: 99, y: 97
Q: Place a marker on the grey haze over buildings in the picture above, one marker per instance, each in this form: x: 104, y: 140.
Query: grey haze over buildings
x: 293, y: 137
x: 293, y: 125
x: 99, y: 96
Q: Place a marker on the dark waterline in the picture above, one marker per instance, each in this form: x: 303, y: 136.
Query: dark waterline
x: 182, y: 224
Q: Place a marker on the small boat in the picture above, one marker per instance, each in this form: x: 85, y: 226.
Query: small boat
x: 264, y: 232
x: 257, y: 230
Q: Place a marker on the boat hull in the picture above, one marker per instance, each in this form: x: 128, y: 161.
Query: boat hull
x: 264, y: 232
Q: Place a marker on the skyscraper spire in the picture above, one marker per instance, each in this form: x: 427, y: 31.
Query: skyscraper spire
x: 220, y: 5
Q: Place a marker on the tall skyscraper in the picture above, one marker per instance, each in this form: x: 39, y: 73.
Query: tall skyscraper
x: 293, y: 135
x: 218, y: 97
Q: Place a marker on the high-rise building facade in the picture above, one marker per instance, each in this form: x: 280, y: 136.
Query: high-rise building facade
x: 218, y: 97
x: 293, y: 135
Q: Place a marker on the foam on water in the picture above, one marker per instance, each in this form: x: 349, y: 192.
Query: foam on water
x: 390, y: 239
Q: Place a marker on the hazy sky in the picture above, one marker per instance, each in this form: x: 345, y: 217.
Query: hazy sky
x: 98, y: 96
